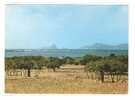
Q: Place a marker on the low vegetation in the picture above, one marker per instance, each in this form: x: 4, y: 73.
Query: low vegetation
x: 94, y: 67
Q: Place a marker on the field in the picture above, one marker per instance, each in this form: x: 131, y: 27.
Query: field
x: 67, y: 79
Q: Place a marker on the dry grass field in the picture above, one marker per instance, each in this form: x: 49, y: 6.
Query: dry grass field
x: 67, y: 79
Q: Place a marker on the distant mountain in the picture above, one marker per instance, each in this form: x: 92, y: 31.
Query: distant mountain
x: 53, y: 46
x: 106, y: 46
x: 96, y: 46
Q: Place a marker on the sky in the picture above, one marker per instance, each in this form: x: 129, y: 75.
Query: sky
x: 67, y: 26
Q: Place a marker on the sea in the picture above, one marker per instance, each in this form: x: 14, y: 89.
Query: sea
x: 62, y: 52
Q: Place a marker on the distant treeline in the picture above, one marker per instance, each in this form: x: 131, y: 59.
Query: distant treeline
x: 111, y: 65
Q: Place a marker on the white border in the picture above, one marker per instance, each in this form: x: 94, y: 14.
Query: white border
x: 2, y: 40
x: 130, y: 95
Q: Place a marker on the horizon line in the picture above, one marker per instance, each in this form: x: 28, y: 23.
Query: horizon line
x: 69, y: 48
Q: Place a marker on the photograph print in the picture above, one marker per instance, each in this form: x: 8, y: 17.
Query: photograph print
x: 71, y: 48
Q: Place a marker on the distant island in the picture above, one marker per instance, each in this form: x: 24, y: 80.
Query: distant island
x: 52, y: 46
x: 98, y: 46
x: 101, y: 46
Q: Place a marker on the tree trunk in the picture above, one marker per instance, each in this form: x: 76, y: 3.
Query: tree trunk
x: 118, y: 77
x: 54, y: 69
x: 112, y: 77
x: 102, y: 76
x: 29, y: 74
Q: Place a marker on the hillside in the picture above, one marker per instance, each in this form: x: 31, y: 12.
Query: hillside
x: 101, y: 46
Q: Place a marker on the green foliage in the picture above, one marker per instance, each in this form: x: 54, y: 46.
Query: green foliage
x: 54, y: 63
x: 87, y: 58
x: 68, y: 60
x: 113, y: 65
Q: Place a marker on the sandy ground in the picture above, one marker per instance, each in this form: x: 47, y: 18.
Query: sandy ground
x: 67, y: 79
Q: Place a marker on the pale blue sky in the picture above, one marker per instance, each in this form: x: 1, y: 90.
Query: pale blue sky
x: 67, y: 26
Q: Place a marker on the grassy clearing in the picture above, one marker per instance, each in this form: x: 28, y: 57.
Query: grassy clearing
x: 68, y: 79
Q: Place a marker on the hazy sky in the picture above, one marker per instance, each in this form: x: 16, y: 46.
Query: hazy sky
x: 67, y: 26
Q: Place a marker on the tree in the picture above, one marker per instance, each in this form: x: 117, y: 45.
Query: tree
x: 9, y: 63
x: 54, y: 63
x: 68, y: 60
x: 113, y: 66
x: 87, y: 58
x: 96, y: 67
x: 27, y: 64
